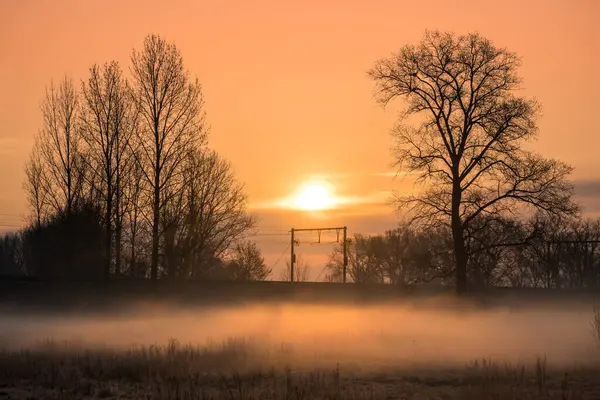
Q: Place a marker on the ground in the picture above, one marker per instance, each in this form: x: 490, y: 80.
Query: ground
x: 237, y: 370
x: 294, y: 342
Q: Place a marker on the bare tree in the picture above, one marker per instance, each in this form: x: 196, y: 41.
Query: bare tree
x: 134, y: 200
x: 467, y: 150
x: 403, y: 256
x: 301, y: 270
x: 172, y: 217
x: 171, y: 122
x: 364, y: 264
x: 107, y: 125
x: 35, y: 185
x: 125, y: 126
x: 59, y: 144
x: 246, y: 263
x: 214, y: 210
x: 491, y: 250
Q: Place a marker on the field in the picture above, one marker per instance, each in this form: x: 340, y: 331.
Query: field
x: 429, y: 348
x: 234, y: 370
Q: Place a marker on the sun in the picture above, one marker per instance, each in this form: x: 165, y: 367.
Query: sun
x: 314, y: 197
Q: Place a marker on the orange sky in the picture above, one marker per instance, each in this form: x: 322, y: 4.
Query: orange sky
x: 286, y: 88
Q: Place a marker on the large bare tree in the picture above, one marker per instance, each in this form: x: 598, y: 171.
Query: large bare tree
x: 171, y: 123
x: 215, y: 215
x: 55, y: 172
x: 35, y: 185
x: 466, y: 140
x: 59, y: 145
x: 108, y: 121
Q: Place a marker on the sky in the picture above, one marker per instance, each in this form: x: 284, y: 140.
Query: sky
x: 287, y: 94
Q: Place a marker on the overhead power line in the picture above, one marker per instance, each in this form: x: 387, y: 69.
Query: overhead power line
x: 279, y: 258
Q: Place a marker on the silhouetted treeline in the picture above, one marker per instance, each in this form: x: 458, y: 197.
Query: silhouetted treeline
x: 120, y: 181
x: 542, y: 252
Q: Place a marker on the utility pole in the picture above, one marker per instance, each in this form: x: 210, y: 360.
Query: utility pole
x: 337, y: 229
x: 292, y: 258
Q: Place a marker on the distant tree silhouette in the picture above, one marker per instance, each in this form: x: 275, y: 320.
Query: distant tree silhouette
x: 11, y: 255
x: 403, y: 256
x: 579, y: 262
x: 364, y: 262
x: 69, y: 246
x: 491, y: 244
x: 301, y: 270
x: 416, y: 254
x: 561, y: 255
x: 171, y: 124
x: 246, y: 263
x: 468, y: 149
x: 215, y: 215
x: 35, y: 185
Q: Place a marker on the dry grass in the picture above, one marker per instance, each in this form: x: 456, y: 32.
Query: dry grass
x: 243, y: 370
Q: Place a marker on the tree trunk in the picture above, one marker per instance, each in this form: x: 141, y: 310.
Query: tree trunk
x: 118, y: 215
x: 132, y: 263
x: 118, y: 230
x: 108, y: 239
x: 155, y: 226
x: 460, y: 252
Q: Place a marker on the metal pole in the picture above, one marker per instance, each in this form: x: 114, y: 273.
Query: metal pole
x: 345, y: 255
x: 292, y: 258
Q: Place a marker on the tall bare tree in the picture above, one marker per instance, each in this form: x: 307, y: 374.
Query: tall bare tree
x: 107, y: 125
x: 171, y: 122
x: 35, y: 185
x: 56, y: 173
x: 214, y: 209
x: 468, y: 148
x: 126, y: 126
x: 59, y: 143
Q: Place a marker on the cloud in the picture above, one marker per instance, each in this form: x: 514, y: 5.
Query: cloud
x: 587, y: 188
x: 394, y: 174
x: 587, y: 194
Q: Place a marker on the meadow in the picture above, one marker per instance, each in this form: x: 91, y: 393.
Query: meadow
x: 233, y: 370
x: 433, y: 348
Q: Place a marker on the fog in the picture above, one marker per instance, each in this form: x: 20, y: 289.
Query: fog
x: 400, y: 333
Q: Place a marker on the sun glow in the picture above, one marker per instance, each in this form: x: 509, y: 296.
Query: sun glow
x: 314, y: 197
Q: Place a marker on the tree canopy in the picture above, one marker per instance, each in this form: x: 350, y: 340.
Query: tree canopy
x: 467, y: 144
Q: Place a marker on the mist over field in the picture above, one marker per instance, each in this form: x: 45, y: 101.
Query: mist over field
x: 428, y: 332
